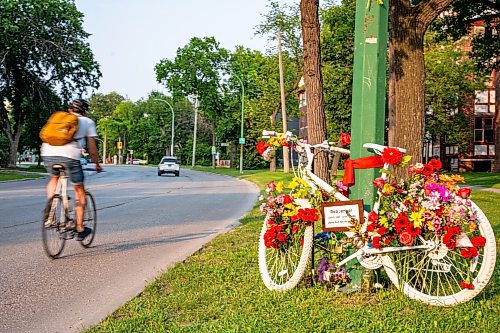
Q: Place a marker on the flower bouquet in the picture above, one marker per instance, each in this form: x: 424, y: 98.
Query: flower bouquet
x: 268, y: 149
x: 428, y: 206
x: 287, y: 214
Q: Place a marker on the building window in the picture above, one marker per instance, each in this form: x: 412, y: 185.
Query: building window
x: 485, y: 101
x: 483, y: 130
x: 451, y: 150
x: 302, y: 100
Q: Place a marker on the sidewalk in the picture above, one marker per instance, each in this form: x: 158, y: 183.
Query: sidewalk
x: 482, y: 188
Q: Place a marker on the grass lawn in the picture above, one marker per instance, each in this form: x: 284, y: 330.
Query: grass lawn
x: 6, y: 175
x: 219, y: 289
x: 486, y: 179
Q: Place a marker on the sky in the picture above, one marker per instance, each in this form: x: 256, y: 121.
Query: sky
x: 129, y: 37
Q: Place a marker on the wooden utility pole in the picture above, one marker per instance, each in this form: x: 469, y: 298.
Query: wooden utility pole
x: 286, y: 156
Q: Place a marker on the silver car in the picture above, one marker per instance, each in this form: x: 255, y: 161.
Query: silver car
x: 169, y: 164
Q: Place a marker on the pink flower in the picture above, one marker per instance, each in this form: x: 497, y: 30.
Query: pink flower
x: 378, y: 182
x: 406, y: 239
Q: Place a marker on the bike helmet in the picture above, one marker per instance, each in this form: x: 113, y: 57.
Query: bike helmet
x: 79, y: 105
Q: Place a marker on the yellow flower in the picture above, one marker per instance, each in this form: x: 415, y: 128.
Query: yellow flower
x: 290, y: 210
x: 388, y: 189
x: 416, y: 218
x: 457, y: 178
x: 382, y: 220
x: 430, y: 226
x: 279, y: 187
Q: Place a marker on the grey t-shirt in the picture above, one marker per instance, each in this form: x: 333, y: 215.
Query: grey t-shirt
x: 73, y: 150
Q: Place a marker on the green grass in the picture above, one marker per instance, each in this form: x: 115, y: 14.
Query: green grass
x: 486, y: 179
x: 219, y: 290
x: 5, y: 175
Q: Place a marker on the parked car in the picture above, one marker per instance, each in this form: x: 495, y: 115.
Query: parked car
x: 136, y: 161
x: 169, y: 164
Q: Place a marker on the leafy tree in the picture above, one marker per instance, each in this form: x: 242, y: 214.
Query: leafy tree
x: 451, y: 80
x: 43, y: 47
x: 284, y: 19
x: 407, y: 26
x: 102, y: 105
x: 196, y: 70
x: 337, y: 51
x: 485, y: 45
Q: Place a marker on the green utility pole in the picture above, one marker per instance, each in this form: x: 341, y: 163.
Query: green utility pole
x: 368, y: 96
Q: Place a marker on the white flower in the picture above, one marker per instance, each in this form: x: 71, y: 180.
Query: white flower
x: 302, y: 203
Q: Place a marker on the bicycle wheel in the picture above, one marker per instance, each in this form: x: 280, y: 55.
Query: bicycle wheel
x: 54, y: 227
x: 282, y: 268
x: 435, y: 276
x: 89, y: 219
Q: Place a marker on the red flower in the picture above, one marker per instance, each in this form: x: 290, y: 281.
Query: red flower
x: 466, y: 285
x: 282, y: 237
x: 295, y: 228
x: 376, y: 242
x: 436, y: 164
x: 478, y: 241
x: 372, y: 216
x: 428, y: 169
x: 469, y: 252
x: 378, y: 182
x: 406, y: 238
x: 449, y: 239
x: 381, y: 231
x: 371, y: 227
x: 261, y: 147
x: 413, y: 231
x: 287, y: 199
x: 401, y: 222
x: 391, y: 156
x: 464, y: 192
x: 345, y: 139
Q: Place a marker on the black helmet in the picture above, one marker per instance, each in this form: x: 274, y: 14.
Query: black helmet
x: 79, y: 105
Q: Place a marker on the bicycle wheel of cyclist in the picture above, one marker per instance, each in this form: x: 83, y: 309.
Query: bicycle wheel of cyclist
x: 54, y: 226
x: 282, y: 268
x: 89, y: 219
x: 436, y: 276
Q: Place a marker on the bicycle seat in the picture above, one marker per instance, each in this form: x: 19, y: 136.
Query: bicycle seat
x: 379, y: 148
x: 58, y: 167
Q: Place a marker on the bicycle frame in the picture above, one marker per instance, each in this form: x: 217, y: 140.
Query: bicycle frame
x: 314, y: 182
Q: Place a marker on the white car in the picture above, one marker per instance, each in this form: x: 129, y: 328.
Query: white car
x: 169, y: 164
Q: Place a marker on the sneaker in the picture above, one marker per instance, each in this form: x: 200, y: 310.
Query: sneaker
x: 82, y: 235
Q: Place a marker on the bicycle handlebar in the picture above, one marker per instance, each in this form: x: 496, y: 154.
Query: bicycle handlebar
x: 329, y: 145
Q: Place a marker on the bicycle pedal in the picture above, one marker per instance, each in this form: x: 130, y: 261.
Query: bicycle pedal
x: 69, y: 235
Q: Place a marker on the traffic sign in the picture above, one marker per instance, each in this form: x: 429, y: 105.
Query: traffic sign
x: 119, y: 145
x: 242, y: 141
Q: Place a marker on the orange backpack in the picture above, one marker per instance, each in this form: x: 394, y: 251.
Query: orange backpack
x: 59, y: 129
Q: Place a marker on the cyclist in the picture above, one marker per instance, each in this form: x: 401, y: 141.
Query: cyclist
x: 69, y: 156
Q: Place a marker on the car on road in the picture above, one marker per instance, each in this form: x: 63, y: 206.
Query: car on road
x: 169, y: 164
x: 83, y: 161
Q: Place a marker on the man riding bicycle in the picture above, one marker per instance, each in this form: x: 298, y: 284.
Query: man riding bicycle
x: 69, y: 155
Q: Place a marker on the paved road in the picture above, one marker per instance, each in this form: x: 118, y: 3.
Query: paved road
x: 145, y: 224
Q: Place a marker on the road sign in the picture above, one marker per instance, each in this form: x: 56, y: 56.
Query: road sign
x: 119, y: 145
x: 242, y: 141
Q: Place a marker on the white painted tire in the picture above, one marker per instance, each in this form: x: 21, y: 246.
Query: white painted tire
x: 282, y: 270
x: 486, y: 264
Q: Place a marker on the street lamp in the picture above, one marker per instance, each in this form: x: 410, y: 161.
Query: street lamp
x: 173, y: 117
x: 242, y: 139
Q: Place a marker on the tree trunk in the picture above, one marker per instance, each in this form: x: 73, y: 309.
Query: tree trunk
x: 496, y: 161
x: 14, y: 144
x: 407, y: 26
x: 316, y: 120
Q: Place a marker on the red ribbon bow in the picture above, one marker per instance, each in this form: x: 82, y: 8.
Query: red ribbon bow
x: 360, y: 163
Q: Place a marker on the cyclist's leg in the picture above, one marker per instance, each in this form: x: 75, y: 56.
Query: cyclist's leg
x: 75, y: 172
x: 80, y: 203
x: 49, y: 161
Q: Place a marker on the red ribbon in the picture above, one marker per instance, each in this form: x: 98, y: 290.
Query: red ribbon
x: 360, y: 163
